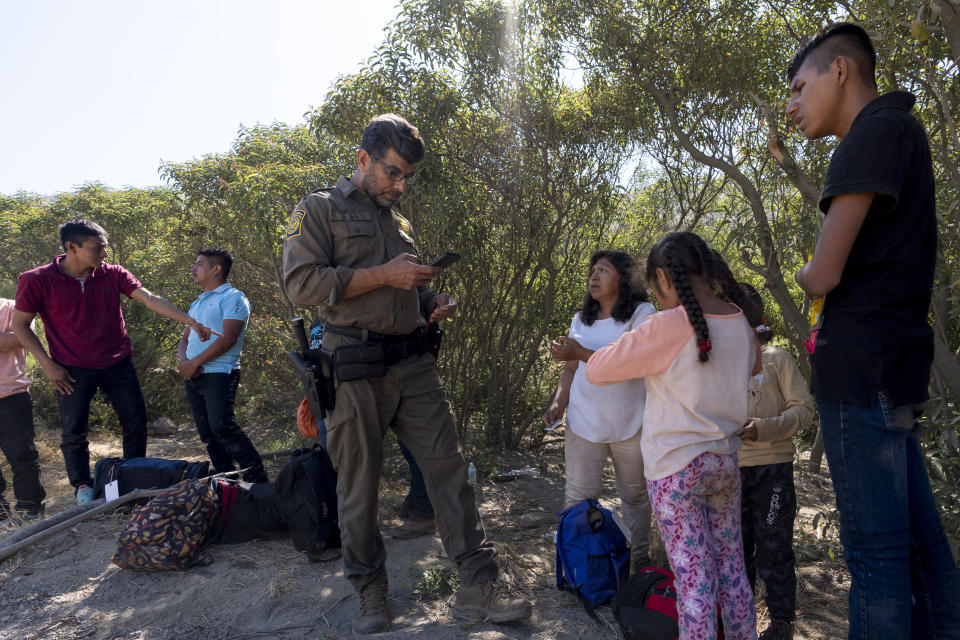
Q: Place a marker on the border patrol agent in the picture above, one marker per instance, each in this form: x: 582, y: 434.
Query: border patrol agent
x: 349, y: 252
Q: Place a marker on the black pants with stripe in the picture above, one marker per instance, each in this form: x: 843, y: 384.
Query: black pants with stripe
x: 769, y: 506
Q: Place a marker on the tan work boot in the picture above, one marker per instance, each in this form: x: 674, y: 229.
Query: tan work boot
x: 414, y: 527
x: 372, y: 614
x: 489, y: 602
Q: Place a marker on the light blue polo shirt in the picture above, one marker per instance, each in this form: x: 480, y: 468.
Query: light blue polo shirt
x: 210, y: 310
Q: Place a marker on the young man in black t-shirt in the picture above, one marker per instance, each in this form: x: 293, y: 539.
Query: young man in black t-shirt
x: 874, y: 262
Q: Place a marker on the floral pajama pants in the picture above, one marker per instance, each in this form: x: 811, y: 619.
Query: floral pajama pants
x: 698, y: 513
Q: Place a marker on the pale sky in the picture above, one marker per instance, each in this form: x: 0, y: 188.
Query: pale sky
x: 103, y: 90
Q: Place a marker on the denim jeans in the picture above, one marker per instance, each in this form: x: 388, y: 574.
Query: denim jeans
x: 417, y: 496
x: 322, y: 432
x: 903, y: 579
x: 212, y: 397
x: 120, y: 384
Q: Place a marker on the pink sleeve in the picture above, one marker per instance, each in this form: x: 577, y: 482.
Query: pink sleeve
x: 647, y: 350
x: 29, y: 298
x: 126, y: 281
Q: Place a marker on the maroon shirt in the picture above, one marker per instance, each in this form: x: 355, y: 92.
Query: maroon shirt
x: 83, y: 322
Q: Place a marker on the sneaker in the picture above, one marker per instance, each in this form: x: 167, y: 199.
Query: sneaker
x: 778, y: 630
x: 372, y: 615
x: 84, y: 494
x: 488, y: 601
x: 414, y: 527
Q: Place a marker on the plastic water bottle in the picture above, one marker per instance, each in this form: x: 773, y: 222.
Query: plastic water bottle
x: 472, y: 479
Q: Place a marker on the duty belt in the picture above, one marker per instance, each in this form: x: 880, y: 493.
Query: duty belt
x: 395, y: 347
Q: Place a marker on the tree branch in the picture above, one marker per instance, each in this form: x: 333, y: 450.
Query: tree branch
x: 783, y: 156
x: 775, y: 281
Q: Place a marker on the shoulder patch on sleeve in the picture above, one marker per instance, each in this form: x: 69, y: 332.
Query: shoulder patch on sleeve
x: 295, y: 226
x: 404, y: 224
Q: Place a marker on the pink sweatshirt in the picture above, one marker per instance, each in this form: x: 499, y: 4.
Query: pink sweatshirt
x: 13, y: 363
x: 692, y: 407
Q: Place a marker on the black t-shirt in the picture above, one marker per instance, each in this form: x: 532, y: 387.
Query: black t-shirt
x: 875, y: 335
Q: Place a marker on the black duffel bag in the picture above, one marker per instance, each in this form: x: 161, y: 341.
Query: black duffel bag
x: 145, y: 473
x: 249, y: 512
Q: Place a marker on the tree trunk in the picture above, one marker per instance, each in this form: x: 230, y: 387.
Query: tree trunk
x: 775, y: 283
x: 950, y: 18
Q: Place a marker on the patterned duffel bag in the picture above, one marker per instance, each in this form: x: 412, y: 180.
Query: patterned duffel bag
x: 166, y: 533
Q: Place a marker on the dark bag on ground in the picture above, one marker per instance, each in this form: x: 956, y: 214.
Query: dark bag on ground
x: 307, y: 491
x: 593, y: 560
x: 166, y: 534
x: 249, y: 512
x: 646, y: 607
x: 145, y: 473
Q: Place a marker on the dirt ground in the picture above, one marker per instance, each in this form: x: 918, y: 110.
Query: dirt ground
x: 65, y: 587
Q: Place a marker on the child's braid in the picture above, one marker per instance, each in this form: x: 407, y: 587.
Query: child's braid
x: 681, y: 282
x: 721, y: 278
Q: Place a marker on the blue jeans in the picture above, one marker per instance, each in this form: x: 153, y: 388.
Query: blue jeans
x: 903, y: 579
x: 417, y: 496
x: 322, y: 432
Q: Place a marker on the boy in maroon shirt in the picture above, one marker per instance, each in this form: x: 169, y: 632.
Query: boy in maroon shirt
x: 78, y: 299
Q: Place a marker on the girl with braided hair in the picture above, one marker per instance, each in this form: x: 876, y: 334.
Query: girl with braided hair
x: 696, y: 357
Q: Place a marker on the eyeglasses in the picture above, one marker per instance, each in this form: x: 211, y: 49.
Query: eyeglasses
x: 396, y: 174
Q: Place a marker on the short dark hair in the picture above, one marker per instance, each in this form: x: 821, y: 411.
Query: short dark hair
x: 220, y: 257
x: 840, y: 39
x: 390, y: 131
x: 632, y: 290
x: 78, y: 230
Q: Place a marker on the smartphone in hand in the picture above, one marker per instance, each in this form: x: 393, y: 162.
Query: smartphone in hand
x: 445, y: 259
x: 554, y: 425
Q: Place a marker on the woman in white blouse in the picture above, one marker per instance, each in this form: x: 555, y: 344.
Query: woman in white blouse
x: 605, y: 421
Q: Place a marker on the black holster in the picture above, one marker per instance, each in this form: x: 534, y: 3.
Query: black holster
x: 315, y: 370
x: 434, y: 335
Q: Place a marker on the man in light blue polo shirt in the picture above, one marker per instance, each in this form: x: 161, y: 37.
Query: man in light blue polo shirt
x: 212, y: 369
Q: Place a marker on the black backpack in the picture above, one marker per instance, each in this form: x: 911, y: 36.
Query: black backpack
x: 307, y: 491
x: 646, y: 607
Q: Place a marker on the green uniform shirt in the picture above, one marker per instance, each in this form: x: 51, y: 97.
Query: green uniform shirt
x: 331, y: 233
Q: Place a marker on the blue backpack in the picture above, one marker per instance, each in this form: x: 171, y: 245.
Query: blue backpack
x: 593, y: 560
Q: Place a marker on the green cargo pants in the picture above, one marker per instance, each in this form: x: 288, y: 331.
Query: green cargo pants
x: 412, y: 399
